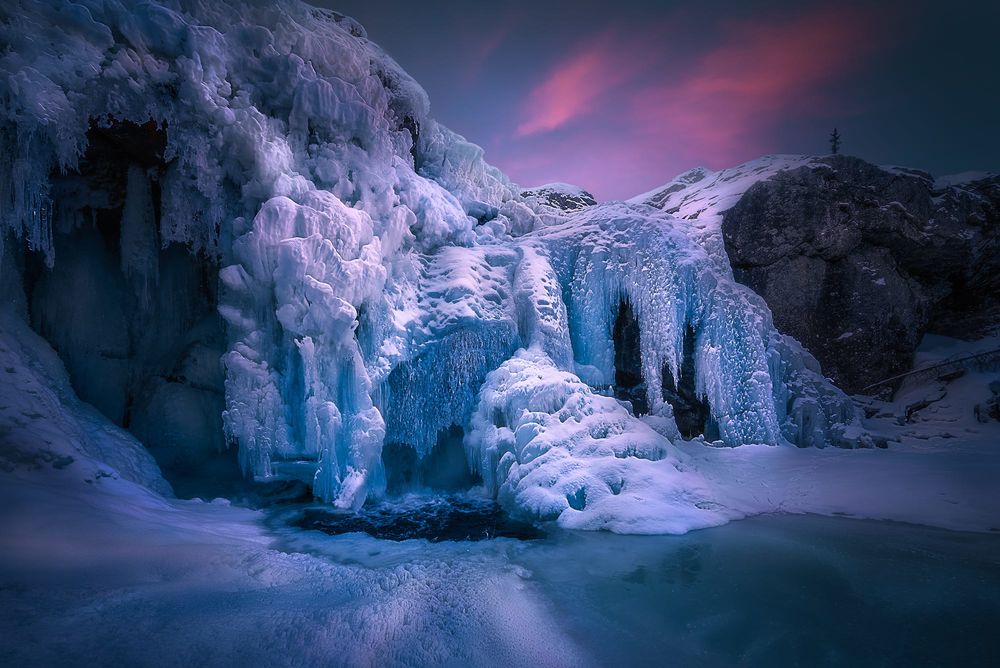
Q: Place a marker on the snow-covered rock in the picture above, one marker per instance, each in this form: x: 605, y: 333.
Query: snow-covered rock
x: 562, y: 196
x: 855, y: 261
x: 701, y: 196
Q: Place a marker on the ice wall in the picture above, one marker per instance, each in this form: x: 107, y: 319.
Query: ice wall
x: 377, y: 275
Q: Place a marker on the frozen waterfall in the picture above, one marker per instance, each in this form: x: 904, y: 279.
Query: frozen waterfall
x: 379, y: 282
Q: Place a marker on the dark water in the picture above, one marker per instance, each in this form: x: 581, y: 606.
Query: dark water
x: 781, y: 590
x: 434, y: 519
x: 778, y: 591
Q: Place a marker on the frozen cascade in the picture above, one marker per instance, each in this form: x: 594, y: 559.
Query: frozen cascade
x: 380, y: 282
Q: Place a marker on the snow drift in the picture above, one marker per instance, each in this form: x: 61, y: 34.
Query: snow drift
x: 380, y: 284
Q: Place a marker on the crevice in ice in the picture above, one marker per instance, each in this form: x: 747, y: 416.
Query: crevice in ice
x: 691, y: 411
x: 444, y: 469
x: 411, y: 125
x: 629, y: 385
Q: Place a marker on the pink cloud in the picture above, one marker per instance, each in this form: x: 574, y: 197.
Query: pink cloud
x: 608, y: 117
x: 763, y: 76
x: 576, y: 84
x: 482, y: 45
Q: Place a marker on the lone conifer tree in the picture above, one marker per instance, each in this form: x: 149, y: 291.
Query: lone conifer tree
x: 835, y: 141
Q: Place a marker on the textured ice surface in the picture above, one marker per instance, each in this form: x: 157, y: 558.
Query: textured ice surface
x: 381, y: 283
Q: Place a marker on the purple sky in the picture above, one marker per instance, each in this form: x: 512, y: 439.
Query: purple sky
x: 620, y: 97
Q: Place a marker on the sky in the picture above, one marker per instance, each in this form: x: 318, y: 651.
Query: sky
x: 620, y: 97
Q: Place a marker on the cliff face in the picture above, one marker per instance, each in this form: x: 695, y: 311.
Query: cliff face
x: 855, y: 261
x: 858, y: 262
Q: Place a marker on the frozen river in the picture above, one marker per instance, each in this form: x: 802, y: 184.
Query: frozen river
x: 159, y: 583
x: 766, y: 591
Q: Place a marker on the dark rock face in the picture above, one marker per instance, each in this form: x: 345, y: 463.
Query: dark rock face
x: 858, y: 263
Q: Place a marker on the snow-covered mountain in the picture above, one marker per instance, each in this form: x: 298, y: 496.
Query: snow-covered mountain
x: 562, y: 196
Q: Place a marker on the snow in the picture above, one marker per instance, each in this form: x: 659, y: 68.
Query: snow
x: 44, y: 427
x: 124, y: 579
x: 960, y: 179
x: 557, y: 197
x: 939, y: 468
x: 701, y: 195
x: 557, y: 187
x: 549, y: 448
x: 212, y: 585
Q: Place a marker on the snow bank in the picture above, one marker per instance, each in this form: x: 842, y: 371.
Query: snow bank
x: 46, y: 431
x: 549, y: 448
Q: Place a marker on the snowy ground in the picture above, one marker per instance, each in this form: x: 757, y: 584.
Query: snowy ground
x: 940, y: 467
x: 97, y: 568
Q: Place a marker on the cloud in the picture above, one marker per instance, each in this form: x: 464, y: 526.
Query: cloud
x: 482, y: 44
x: 626, y: 111
x: 763, y: 76
x: 576, y: 84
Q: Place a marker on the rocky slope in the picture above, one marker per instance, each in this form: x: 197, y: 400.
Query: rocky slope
x: 855, y: 261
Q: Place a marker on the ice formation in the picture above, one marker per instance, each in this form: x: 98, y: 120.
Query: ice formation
x: 379, y: 281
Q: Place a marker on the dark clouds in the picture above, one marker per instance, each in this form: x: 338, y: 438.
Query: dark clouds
x: 619, y: 97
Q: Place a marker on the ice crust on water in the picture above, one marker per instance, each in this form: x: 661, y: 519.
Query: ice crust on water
x: 380, y: 281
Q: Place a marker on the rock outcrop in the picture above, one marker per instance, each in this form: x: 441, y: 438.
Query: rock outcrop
x: 858, y: 262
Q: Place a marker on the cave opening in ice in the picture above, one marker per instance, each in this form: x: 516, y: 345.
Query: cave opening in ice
x: 629, y: 385
x: 442, y: 469
x: 691, y: 411
x: 134, y: 320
